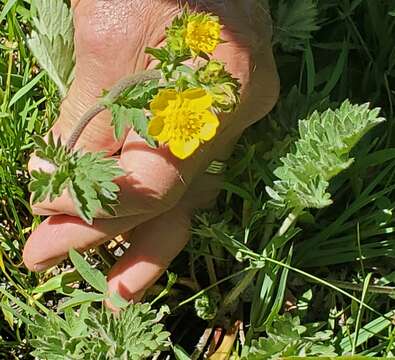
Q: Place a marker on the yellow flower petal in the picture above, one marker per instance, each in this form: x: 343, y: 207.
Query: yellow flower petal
x: 203, y: 35
x: 209, y: 129
x: 161, y: 101
x: 155, y: 126
x: 183, y: 149
x: 157, y: 129
x: 199, y: 98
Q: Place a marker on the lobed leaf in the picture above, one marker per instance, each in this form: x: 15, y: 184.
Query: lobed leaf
x: 295, y: 21
x: 321, y: 153
x: 88, y: 177
x: 134, y: 333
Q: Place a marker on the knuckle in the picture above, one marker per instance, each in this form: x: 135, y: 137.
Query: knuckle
x: 165, y: 200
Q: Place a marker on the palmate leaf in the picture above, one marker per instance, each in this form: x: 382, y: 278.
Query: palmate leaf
x: 52, y: 41
x: 287, y: 337
x: 92, y: 186
x: 321, y: 153
x: 87, y: 333
x: 295, y: 20
x: 87, y: 176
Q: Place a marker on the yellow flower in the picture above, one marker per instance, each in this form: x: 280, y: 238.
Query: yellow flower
x: 203, y: 34
x: 182, y: 120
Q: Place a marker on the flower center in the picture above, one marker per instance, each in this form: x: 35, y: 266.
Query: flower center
x: 185, y: 123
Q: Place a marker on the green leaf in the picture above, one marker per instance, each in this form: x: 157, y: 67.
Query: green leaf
x: 128, y: 110
x: 57, y: 282
x: 52, y: 43
x: 321, y: 153
x: 160, y: 54
x: 368, y: 331
x: 8, y: 6
x: 8, y: 315
x: 137, y: 96
x: 90, y: 333
x: 295, y: 21
x: 40, y: 185
x: 92, y: 276
x: 80, y: 299
x: 180, y: 353
x: 24, y: 90
x: 88, y: 177
x: 118, y: 301
x: 123, y: 118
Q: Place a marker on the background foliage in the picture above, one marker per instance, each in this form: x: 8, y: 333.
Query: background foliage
x: 319, y: 282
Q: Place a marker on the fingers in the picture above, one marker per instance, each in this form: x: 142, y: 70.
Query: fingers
x: 152, y: 183
x: 110, y: 38
x: 154, y: 245
x: 50, y: 243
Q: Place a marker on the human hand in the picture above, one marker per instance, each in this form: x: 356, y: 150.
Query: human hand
x: 158, y: 191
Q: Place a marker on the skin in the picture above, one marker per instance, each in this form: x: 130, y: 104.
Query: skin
x: 159, y: 192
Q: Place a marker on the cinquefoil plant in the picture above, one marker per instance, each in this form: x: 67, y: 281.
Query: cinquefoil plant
x: 151, y: 102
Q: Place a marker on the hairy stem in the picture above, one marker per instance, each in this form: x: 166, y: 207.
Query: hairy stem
x: 112, y: 95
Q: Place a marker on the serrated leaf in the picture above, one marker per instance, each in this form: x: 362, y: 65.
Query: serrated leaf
x: 124, y: 118
x: 8, y: 315
x: 52, y: 42
x: 85, y: 198
x: 295, y: 21
x: 59, y: 181
x: 89, y: 333
x: 88, y: 177
x: 160, y: 54
x: 321, y: 153
x: 40, y: 185
x: 92, y: 276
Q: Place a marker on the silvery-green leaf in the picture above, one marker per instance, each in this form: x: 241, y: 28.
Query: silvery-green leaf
x: 52, y: 41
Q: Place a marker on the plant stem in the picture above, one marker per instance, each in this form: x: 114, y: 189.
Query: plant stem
x: 239, y: 288
x: 249, y: 277
x: 288, y: 222
x: 374, y: 289
x: 201, y: 292
x: 112, y: 95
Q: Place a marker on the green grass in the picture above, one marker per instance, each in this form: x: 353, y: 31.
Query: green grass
x: 327, y: 286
